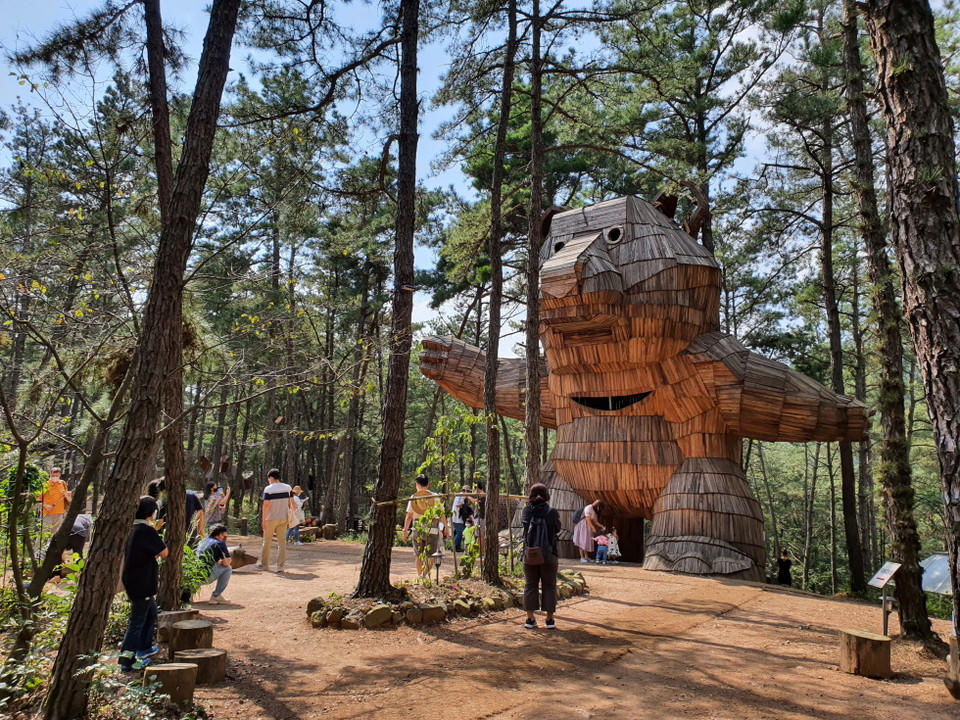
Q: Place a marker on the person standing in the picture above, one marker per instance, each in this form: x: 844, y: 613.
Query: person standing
x: 141, y: 581
x: 458, y: 517
x: 427, y: 541
x: 214, y: 553
x: 541, y: 580
x: 53, y: 502
x: 297, y: 518
x: 784, y: 563
x: 277, y: 503
x: 587, y: 529
x: 214, y: 504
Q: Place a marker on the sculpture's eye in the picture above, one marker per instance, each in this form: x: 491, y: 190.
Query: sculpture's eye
x: 557, y: 247
x: 614, y: 235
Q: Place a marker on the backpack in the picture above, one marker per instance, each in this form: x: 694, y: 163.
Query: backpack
x: 538, y: 546
x: 578, y: 515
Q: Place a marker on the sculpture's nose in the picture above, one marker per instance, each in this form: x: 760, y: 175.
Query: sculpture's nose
x: 579, y: 266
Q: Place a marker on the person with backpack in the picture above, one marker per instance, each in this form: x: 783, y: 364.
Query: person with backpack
x: 586, y: 528
x: 541, y: 525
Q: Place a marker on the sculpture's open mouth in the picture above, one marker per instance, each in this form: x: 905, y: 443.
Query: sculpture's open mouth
x: 615, y: 402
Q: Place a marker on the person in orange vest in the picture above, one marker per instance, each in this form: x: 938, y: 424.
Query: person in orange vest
x: 53, y: 502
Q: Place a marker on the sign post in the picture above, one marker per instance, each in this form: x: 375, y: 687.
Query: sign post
x: 881, y: 580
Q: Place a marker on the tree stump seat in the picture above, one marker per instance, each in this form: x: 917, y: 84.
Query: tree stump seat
x: 865, y: 654
x: 190, y: 634
x: 167, y: 618
x: 309, y: 532
x: 177, y: 680
x: 329, y: 532
x: 211, y: 663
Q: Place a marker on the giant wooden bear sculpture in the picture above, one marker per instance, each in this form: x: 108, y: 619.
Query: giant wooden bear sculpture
x: 648, y: 399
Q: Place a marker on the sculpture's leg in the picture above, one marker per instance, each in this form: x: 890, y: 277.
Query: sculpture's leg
x: 707, y: 522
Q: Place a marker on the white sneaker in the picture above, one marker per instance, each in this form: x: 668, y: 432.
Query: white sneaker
x: 584, y: 560
x: 218, y: 600
x: 280, y: 569
x: 259, y: 565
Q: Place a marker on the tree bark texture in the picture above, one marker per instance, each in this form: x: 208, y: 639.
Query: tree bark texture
x: 925, y: 224
x: 491, y: 564
x: 66, y: 697
x: 531, y: 421
x: 375, y: 570
x: 893, y: 470
x: 175, y: 480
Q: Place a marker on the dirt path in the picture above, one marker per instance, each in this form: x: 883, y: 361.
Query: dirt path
x: 641, y: 645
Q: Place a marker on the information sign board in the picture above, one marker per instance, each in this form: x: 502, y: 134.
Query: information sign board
x: 884, y: 574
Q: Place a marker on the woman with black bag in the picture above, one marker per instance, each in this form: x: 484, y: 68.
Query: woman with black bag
x: 541, y: 524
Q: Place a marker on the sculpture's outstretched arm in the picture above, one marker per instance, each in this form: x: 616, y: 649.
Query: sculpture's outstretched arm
x: 458, y: 368
x: 766, y: 400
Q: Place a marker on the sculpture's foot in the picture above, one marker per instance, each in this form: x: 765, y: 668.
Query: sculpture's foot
x: 699, y: 555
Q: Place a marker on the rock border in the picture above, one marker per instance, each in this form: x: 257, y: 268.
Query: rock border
x: 331, y: 613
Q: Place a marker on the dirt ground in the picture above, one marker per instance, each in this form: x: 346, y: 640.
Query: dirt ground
x: 640, y: 645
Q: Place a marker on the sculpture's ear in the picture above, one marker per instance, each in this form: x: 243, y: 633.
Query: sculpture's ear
x: 546, y: 220
x: 667, y: 204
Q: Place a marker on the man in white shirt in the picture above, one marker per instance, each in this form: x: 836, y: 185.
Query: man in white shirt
x: 277, y: 502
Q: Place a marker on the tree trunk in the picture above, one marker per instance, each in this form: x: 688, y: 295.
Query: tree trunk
x: 491, y: 564
x: 894, y: 470
x: 66, y: 694
x: 531, y: 421
x: 375, y: 570
x: 175, y: 474
x: 925, y: 224
x: 848, y: 479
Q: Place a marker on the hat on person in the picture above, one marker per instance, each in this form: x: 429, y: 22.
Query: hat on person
x: 297, y: 490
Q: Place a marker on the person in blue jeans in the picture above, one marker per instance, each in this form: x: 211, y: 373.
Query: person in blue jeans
x: 141, y: 581
x: 603, y: 543
x: 213, y: 551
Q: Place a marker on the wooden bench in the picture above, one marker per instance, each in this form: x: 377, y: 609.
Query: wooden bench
x: 866, y: 654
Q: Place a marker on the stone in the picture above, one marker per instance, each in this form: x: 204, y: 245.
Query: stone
x: 433, y: 613
x: 316, y: 604
x: 564, y: 592
x: 397, y: 617
x: 461, y: 607
x: 414, y: 615
x: 488, y: 604
x: 318, y: 619
x: 335, y: 615
x: 351, y: 622
x: 378, y: 615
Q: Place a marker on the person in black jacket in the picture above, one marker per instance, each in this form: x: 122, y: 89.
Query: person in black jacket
x: 141, y: 581
x: 541, y: 578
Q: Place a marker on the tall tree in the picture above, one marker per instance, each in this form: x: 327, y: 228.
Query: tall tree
x: 375, y: 570
x: 894, y: 469
x: 66, y: 696
x: 925, y: 224
x: 491, y: 564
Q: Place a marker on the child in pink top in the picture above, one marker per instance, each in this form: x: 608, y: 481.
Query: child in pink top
x: 602, y: 542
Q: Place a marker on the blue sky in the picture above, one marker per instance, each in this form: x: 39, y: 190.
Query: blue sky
x: 25, y: 22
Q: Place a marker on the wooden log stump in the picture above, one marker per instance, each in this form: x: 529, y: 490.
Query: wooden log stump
x: 190, y: 634
x: 866, y: 654
x: 309, y: 532
x: 330, y: 532
x: 177, y: 680
x: 242, y: 526
x: 211, y: 663
x: 169, y: 617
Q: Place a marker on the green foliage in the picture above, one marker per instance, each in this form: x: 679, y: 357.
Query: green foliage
x: 34, y: 482
x: 422, y: 526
